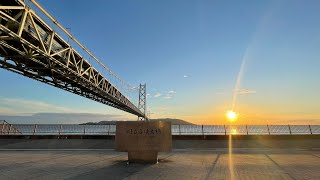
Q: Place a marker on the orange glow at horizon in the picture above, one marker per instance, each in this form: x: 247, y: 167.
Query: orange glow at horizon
x: 250, y: 115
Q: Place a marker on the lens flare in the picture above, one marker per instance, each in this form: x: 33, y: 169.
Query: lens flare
x: 231, y: 115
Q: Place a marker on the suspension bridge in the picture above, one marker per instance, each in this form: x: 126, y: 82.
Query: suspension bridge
x: 31, y: 47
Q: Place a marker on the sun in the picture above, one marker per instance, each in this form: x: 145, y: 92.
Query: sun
x: 231, y: 115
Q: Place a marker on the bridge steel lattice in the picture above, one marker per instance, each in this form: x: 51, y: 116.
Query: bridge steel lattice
x: 30, y: 47
x: 143, y: 101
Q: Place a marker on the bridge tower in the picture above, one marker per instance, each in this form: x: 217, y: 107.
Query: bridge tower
x: 142, y: 102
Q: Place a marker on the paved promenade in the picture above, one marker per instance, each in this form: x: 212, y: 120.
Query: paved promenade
x: 179, y: 164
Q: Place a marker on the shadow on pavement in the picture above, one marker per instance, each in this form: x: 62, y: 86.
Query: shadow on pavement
x: 118, y: 170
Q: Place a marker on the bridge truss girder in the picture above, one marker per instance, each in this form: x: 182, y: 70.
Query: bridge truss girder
x: 30, y: 47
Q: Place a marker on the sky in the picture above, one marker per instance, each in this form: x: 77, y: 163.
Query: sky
x: 198, y: 58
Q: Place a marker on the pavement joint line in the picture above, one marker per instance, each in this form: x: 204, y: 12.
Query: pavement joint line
x: 315, y: 155
x: 171, y: 154
x: 280, y: 167
x: 238, y: 149
x: 212, y: 167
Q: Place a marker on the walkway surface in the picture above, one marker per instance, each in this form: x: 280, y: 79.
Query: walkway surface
x: 178, y: 164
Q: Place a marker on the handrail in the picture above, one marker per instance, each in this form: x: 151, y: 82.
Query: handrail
x: 110, y: 129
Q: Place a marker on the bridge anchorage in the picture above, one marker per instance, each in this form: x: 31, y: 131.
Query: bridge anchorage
x: 32, y: 48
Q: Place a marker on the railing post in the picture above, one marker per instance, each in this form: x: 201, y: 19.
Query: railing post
x: 247, y: 129
x: 84, y: 129
x: 268, y: 129
x: 202, y: 130
x: 18, y: 131
x: 34, y: 129
x: 225, y: 130
x: 60, y: 129
x: 310, y: 129
x: 2, y: 129
x: 289, y: 129
x: 109, y: 129
x: 179, y: 130
x: 10, y: 127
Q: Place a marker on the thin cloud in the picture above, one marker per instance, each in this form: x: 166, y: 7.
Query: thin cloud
x: 185, y: 76
x: 4, y: 110
x: 220, y: 93
x: 245, y: 91
x: 170, y: 94
x: 61, y: 118
x: 24, y: 105
x: 157, y: 95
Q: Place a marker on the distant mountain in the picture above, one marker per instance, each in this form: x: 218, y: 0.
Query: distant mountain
x: 173, y: 121
x: 100, y: 123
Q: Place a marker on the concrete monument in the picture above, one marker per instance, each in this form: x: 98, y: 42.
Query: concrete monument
x: 143, y: 139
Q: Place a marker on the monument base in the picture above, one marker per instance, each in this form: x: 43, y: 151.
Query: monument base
x: 143, y: 156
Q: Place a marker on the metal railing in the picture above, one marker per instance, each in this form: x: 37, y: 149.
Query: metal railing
x: 8, y: 129
x: 245, y: 129
x: 110, y: 129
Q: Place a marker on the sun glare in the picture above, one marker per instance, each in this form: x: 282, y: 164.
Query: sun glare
x: 232, y: 115
x: 234, y: 131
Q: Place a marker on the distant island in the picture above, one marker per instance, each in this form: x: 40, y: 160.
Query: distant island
x: 173, y: 121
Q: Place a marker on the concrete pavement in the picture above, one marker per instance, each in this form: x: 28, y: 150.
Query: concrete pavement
x: 179, y: 164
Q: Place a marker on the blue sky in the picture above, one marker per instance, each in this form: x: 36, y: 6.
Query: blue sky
x: 189, y: 53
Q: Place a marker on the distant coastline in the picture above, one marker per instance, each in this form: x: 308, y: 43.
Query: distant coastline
x: 173, y: 121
